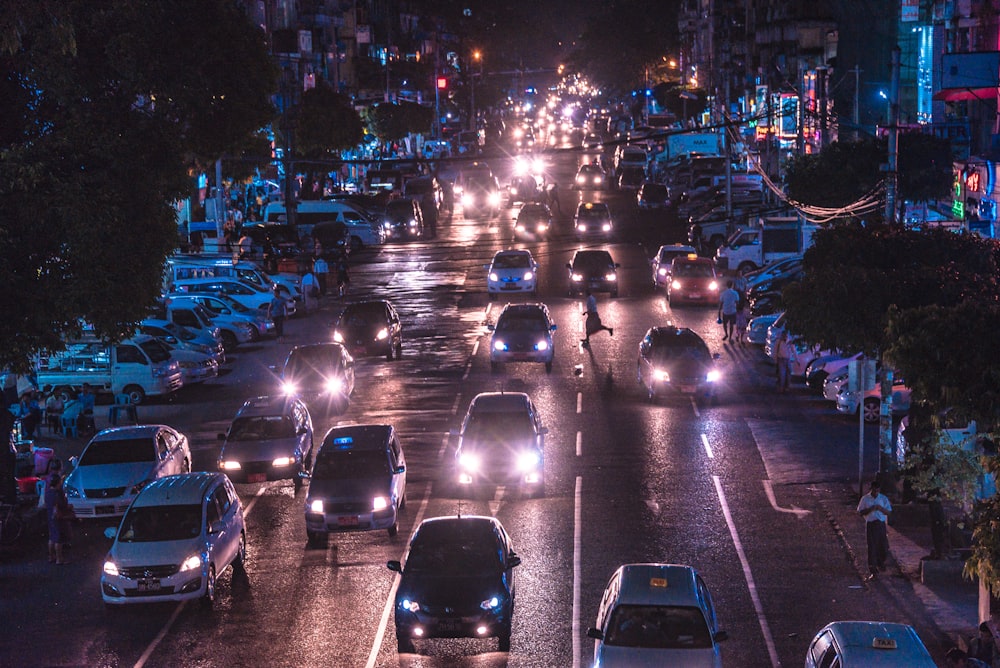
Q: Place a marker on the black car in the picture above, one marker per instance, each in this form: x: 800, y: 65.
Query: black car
x: 534, y: 221
x: 457, y: 582
x: 676, y: 358
x: 593, y: 270
x: 404, y: 219
x: 321, y: 374
x: 370, y: 328
x: 652, y: 195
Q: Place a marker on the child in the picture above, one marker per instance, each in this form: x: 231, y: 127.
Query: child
x: 742, y: 320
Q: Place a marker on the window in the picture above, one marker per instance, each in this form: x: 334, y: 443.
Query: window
x: 129, y: 355
x: 222, y: 499
x: 186, y: 318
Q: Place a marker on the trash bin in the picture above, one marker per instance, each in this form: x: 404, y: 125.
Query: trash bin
x: 42, y: 458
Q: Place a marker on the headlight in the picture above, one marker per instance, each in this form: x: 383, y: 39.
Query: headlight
x: 528, y: 275
x: 382, y: 335
x: 110, y: 568
x: 71, y: 491
x: 537, y: 166
x: 380, y: 503
x: 499, y: 345
x: 661, y: 375
x: 229, y: 465
x: 468, y: 462
x: 713, y: 375
x: 518, y: 227
x: 333, y: 385
x: 662, y: 271
x: 598, y: 180
x: 581, y: 180
x: 527, y: 461
x: 713, y: 286
x: 606, y: 227
x: 577, y: 277
x: 542, y: 227
x: 409, y: 606
x: 191, y: 563
x: 468, y: 200
x: 288, y: 387
x: 490, y: 603
x: 542, y: 345
x: 581, y: 227
x: 316, y: 506
x: 494, y: 276
x: 611, y: 277
x: 338, y: 337
x: 675, y: 284
x: 413, y: 222
x: 280, y: 462
x: 493, y: 199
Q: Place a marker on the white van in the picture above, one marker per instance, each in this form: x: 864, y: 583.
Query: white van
x: 249, y: 295
x: 363, y: 231
x: 184, y: 268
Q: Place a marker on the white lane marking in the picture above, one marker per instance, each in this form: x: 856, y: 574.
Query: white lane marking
x: 380, y: 634
x: 148, y: 652
x: 708, y: 448
x: 489, y: 307
x: 577, y: 530
x: 769, y: 491
x: 454, y: 406
x: 747, y: 575
x: 468, y: 369
x: 444, y: 446
x: 494, y: 503
x: 579, y: 443
x: 475, y: 348
x: 694, y: 407
x: 579, y: 402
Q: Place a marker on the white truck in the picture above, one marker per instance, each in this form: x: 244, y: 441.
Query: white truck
x: 766, y: 241
x: 139, y: 367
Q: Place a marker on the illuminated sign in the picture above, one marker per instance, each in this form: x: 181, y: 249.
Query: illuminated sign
x: 972, y: 182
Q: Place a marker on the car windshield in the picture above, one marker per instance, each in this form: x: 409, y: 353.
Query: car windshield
x: 590, y: 262
x: 453, y: 558
x: 693, y: 269
x: 350, y: 464
x: 593, y: 213
x: 658, y: 627
x: 261, y: 427
x: 665, y: 353
x: 119, y: 451
x: 148, y: 524
x: 312, y: 362
x: 524, y: 322
x: 654, y: 190
x: 156, y: 350
x: 363, y: 315
x: 512, y: 261
x: 487, y: 428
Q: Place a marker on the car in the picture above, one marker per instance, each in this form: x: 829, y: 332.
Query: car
x: 631, y: 178
x: 767, y: 272
x: 457, y: 582
x: 693, y: 281
x: 656, y: 615
x: 512, y: 271
x: 321, y: 374
x: 834, y: 382
x: 357, y: 483
x: 766, y: 303
x: 525, y: 188
x: 821, y: 368
x: 630, y: 156
x: 534, y: 221
x: 677, y: 359
x: 661, y: 262
x: 404, y: 219
x: 501, y: 442
x: 234, y: 329
x: 652, y: 196
x: 593, y: 270
x: 848, y: 401
x: 228, y: 308
x: 757, y: 328
x: 184, y: 338
x: 176, y: 538
x: 118, y: 462
x: 593, y: 219
x: 195, y: 367
x: 522, y: 333
x: 868, y: 645
x: 592, y: 140
x: 246, y: 294
x: 271, y: 438
x: 481, y: 194
x: 590, y: 176
x: 370, y: 328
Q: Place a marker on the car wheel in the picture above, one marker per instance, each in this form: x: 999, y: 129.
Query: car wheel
x: 356, y: 244
x: 548, y: 367
x: 240, y: 562
x: 229, y: 340
x: 503, y: 640
x: 871, y: 408
x: 815, y: 381
x: 208, y: 598
x: 135, y: 394
x: 186, y: 466
x: 404, y: 645
x: 393, y: 530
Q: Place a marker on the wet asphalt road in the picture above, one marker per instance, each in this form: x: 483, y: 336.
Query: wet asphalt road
x: 679, y: 481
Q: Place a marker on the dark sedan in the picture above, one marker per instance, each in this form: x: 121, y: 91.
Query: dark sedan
x: 370, y: 328
x: 321, y: 374
x: 677, y: 359
x: 593, y: 270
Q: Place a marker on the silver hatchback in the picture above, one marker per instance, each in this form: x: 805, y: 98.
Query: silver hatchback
x: 271, y: 438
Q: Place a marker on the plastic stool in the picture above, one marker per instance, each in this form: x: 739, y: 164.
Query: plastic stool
x: 115, y: 413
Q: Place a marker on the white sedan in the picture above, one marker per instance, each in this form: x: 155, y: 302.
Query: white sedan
x: 512, y: 271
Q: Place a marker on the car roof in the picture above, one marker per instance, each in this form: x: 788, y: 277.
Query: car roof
x: 518, y: 310
x: 592, y: 255
x: 678, y: 248
x: 694, y: 260
x: 366, y: 306
x: 308, y: 349
x: 857, y: 640
x: 465, y: 526
x: 657, y: 584
x: 358, y: 437
x: 499, y: 402
x: 268, y: 405
x: 513, y: 251
x: 131, y: 432
x: 180, y: 489
x: 592, y: 206
x: 670, y: 334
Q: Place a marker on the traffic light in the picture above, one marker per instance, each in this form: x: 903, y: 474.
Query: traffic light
x: 442, y: 83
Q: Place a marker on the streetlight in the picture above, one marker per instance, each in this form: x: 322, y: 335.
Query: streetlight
x: 477, y: 57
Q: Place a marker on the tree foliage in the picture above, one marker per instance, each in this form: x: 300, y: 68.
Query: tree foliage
x: 391, y: 122
x: 109, y: 107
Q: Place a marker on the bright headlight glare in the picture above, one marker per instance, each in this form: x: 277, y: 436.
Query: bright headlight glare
x: 468, y: 200
x: 288, y: 387
x: 580, y: 179
x: 662, y: 271
x: 499, y: 345
x: 191, y: 563
x: 468, y: 462
x: 606, y: 227
x: 598, y: 179
x: 528, y: 276
x: 333, y: 384
x: 338, y: 337
x: 713, y: 375
x: 661, y: 375
x: 282, y: 461
x: 526, y: 461
x: 409, y: 606
x: 675, y: 284
x: 230, y: 465
x: 542, y: 345
x: 577, y: 277
x: 494, y: 199
x: 383, y: 334
x: 713, y: 286
x: 316, y: 506
x: 490, y: 603
x: 537, y: 166
x: 611, y: 277
x: 110, y: 568
x: 494, y: 276
x: 380, y: 503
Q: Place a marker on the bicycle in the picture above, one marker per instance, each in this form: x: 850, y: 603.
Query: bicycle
x: 11, y: 524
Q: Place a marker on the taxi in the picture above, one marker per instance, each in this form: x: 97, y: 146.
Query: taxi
x: 656, y: 615
x: 693, y: 281
x: 868, y: 644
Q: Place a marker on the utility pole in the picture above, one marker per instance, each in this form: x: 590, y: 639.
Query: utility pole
x: 437, y: 90
x: 857, y: 98
x: 727, y: 151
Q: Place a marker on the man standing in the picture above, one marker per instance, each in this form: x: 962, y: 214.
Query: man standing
x: 729, y: 302
x: 593, y: 324
x: 276, y: 311
x: 321, y: 269
x: 782, y: 359
x: 875, y: 508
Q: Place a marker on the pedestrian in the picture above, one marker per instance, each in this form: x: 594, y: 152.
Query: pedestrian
x: 321, y: 269
x: 956, y: 657
x: 729, y: 302
x: 984, y: 647
x: 782, y: 360
x: 593, y: 324
x: 88, y: 402
x: 310, y: 289
x: 875, y: 508
x: 343, y: 280
x: 59, y: 514
x: 276, y: 311
x: 246, y: 246
x: 742, y: 321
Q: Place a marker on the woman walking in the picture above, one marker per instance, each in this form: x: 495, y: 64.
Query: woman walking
x: 59, y: 514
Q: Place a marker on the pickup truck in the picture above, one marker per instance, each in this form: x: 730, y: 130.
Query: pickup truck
x: 769, y: 240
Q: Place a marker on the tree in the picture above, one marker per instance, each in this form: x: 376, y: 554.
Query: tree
x: 326, y: 123
x: 108, y: 110
x: 391, y: 122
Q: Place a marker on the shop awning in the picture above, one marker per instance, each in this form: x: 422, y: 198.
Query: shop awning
x: 961, y: 94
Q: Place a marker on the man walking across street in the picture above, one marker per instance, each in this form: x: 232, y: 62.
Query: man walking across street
x: 729, y: 303
x: 875, y: 508
x: 593, y: 324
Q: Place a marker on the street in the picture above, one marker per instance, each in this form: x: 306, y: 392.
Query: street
x: 739, y: 488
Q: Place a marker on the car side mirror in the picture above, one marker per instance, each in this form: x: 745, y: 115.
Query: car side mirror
x: 399, y: 469
x: 305, y: 475
x: 111, y: 532
x: 720, y: 636
x: 596, y: 634
x: 553, y: 328
x: 491, y: 327
x: 218, y: 526
x: 617, y: 265
x: 394, y: 566
x: 513, y: 560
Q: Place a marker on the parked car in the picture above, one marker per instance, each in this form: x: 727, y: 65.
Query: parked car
x: 821, y: 368
x: 184, y: 338
x: 178, y: 536
x: 757, y: 328
x: 118, y: 462
x: 848, y: 402
x: 676, y: 359
x: 522, y: 333
x: 457, y: 582
x: 271, y: 438
x: 357, y: 483
x: 370, y: 328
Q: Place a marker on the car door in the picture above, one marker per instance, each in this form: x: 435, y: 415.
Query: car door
x: 397, y: 462
x: 167, y: 462
x: 303, y: 428
x: 393, y: 319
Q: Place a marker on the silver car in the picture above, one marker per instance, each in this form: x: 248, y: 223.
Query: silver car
x: 271, y: 438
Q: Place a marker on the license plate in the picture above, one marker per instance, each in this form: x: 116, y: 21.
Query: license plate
x: 688, y: 389
x: 347, y: 520
x: 452, y: 625
x: 104, y: 510
x: 510, y: 286
x: 256, y: 477
x: 148, y: 585
x: 694, y: 295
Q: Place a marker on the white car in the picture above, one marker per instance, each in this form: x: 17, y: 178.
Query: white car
x: 248, y: 295
x: 512, y: 271
x: 195, y: 367
x: 847, y: 402
x: 822, y: 367
x: 363, y: 232
x: 661, y: 262
x: 834, y: 382
x: 119, y: 462
x: 178, y: 535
